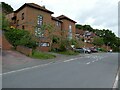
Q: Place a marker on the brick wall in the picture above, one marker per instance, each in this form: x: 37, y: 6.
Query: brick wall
x: 43, y: 49
x: 24, y: 50
x: 5, y: 44
x: 65, y: 27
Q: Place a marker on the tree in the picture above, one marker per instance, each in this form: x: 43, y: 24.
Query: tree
x: 87, y: 27
x: 56, y: 39
x: 46, y: 29
x: 6, y: 8
x: 98, y: 41
x: 106, y: 34
x: 79, y: 26
x: 5, y: 23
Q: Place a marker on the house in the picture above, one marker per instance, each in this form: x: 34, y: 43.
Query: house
x: 68, y: 26
x: 79, y: 33
x: 84, y: 34
x: 31, y: 17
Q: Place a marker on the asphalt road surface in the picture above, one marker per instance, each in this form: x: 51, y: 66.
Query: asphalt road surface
x: 91, y: 71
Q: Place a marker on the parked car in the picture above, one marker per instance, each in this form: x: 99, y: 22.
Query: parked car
x: 82, y: 50
x: 93, y: 49
x: 87, y: 50
x: 110, y: 50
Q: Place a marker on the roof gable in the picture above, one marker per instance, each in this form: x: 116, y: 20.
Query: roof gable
x: 65, y: 17
x: 56, y: 19
x: 33, y: 5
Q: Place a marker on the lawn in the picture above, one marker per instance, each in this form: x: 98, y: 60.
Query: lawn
x: 42, y: 55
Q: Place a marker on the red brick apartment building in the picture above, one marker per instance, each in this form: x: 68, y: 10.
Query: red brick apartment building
x: 31, y: 17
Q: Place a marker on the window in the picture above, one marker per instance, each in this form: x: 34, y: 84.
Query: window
x: 38, y: 31
x: 23, y: 27
x: 70, y: 28
x: 17, y: 22
x: 22, y: 16
x: 40, y: 20
x: 57, y: 23
x: 70, y: 32
x: 44, y: 44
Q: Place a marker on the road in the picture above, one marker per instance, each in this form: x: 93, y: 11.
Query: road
x: 91, y: 71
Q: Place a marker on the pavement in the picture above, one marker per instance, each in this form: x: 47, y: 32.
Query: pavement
x: 82, y: 71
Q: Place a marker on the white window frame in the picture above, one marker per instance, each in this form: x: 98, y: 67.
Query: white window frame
x: 44, y: 44
x: 70, y: 32
x: 40, y: 20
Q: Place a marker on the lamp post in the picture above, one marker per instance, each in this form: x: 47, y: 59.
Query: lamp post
x: 107, y: 45
x: 84, y: 45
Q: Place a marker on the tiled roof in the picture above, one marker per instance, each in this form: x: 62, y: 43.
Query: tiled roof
x: 79, y: 31
x: 56, y: 19
x: 36, y: 6
x: 65, y: 17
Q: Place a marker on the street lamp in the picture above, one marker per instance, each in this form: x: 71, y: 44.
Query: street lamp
x: 107, y: 45
x: 84, y: 45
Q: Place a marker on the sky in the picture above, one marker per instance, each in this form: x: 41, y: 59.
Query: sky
x: 100, y: 14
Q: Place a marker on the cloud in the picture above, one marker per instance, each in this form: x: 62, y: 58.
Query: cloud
x: 97, y: 13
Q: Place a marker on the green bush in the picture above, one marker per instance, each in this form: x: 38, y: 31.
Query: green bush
x: 20, y: 37
x: 55, y: 39
x: 102, y: 49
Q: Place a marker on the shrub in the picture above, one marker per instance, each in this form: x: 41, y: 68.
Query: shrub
x: 20, y: 37
x: 55, y: 39
x: 102, y: 49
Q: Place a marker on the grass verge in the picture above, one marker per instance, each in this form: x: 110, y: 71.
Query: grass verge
x: 69, y: 52
x: 42, y: 55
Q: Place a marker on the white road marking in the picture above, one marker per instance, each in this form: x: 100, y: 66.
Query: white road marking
x: 33, y: 67
x: 116, y: 82
x: 70, y: 59
x: 25, y: 69
x: 88, y: 63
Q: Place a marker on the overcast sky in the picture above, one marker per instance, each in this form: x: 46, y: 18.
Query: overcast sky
x: 100, y: 14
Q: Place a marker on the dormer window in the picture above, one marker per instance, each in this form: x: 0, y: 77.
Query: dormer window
x: 22, y: 16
